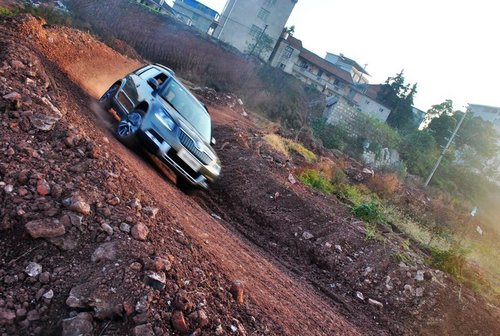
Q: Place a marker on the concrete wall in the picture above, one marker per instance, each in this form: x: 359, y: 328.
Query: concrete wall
x: 239, y: 16
x: 341, y: 112
x: 371, y: 107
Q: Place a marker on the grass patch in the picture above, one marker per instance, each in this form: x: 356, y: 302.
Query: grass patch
x: 400, y: 257
x: 451, y: 261
x: 6, y: 11
x: 301, y: 150
x: 284, y: 146
x: 370, y: 231
x: 415, y: 230
x: 277, y: 143
x: 315, y: 180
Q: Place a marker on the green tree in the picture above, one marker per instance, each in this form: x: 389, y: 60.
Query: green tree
x: 478, y: 134
x: 419, y: 151
x: 399, y: 96
x: 260, y: 44
x: 442, y: 127
x: 437, y: 110
x: 290, y: 30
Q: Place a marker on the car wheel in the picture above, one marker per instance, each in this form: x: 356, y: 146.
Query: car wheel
x: 127, y: 128
x: 107, y: 97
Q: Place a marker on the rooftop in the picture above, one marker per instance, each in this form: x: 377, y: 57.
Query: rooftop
x: 318, y: 61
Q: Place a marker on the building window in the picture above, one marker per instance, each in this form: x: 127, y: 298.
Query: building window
x: 287, y: 53
x: 270, y: 3
x: 303, y: 64
x: 255, y: 31
x: 263, y: 14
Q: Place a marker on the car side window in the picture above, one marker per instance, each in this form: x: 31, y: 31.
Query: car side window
x: 161, y: 78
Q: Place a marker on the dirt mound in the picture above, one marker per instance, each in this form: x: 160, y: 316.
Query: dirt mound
x: 78, y: 54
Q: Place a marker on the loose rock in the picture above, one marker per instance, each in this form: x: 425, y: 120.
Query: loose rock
x: 156, y: 280
x: 140, y: 232
x: 33, y: 269
x: 143, y: 330
x: 106, y: 251
x: 179, y: 322
x: 45, y: 228
x: 238, y: 292
x: 81, y: 325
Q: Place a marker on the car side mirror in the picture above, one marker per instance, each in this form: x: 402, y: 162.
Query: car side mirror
x: 213, y: 142
x: 153, y: 83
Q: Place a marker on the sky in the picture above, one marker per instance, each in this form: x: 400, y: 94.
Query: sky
x: 450, y: 48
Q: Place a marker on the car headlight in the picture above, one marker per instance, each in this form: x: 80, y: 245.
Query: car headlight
x: 165, y: 119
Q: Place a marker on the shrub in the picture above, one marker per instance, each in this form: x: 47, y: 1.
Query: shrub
x: 315, y: 180
x: 371, y: 212
x: 384, y: 185
x: 328, y: 168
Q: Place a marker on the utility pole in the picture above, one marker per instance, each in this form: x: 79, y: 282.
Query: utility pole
x: 444, y: 150
x: 258, y: 40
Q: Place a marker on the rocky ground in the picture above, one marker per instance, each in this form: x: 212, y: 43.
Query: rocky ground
x: 95, y: 241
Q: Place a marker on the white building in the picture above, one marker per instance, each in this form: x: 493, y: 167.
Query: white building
x: 487, y: 113
x: 490, y: 114
x: 244, y: 23
x: 201, y: 16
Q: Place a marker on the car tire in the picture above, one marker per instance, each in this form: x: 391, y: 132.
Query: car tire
x: 127, y: 128
x: 107, y: 98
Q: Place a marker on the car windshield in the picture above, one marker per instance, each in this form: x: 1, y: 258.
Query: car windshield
x: 188, y: 107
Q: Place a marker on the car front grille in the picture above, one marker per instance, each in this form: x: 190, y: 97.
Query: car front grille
x: 187, y: 142
x: 172, y: 154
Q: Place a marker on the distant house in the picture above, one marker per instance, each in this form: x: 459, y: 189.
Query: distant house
x: 357, y: 72
x: 243, y: 23
x: 201, y: 16
x: 346, y: 98
x: 366, y: 98
x: 290, y: 56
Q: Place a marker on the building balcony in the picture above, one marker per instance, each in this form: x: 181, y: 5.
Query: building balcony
x: 302, y: 72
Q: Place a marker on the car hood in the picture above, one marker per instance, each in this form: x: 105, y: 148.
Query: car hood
x: 188, y: 128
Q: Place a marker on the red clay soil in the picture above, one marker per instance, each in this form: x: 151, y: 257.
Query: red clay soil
x: 303, y: 260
